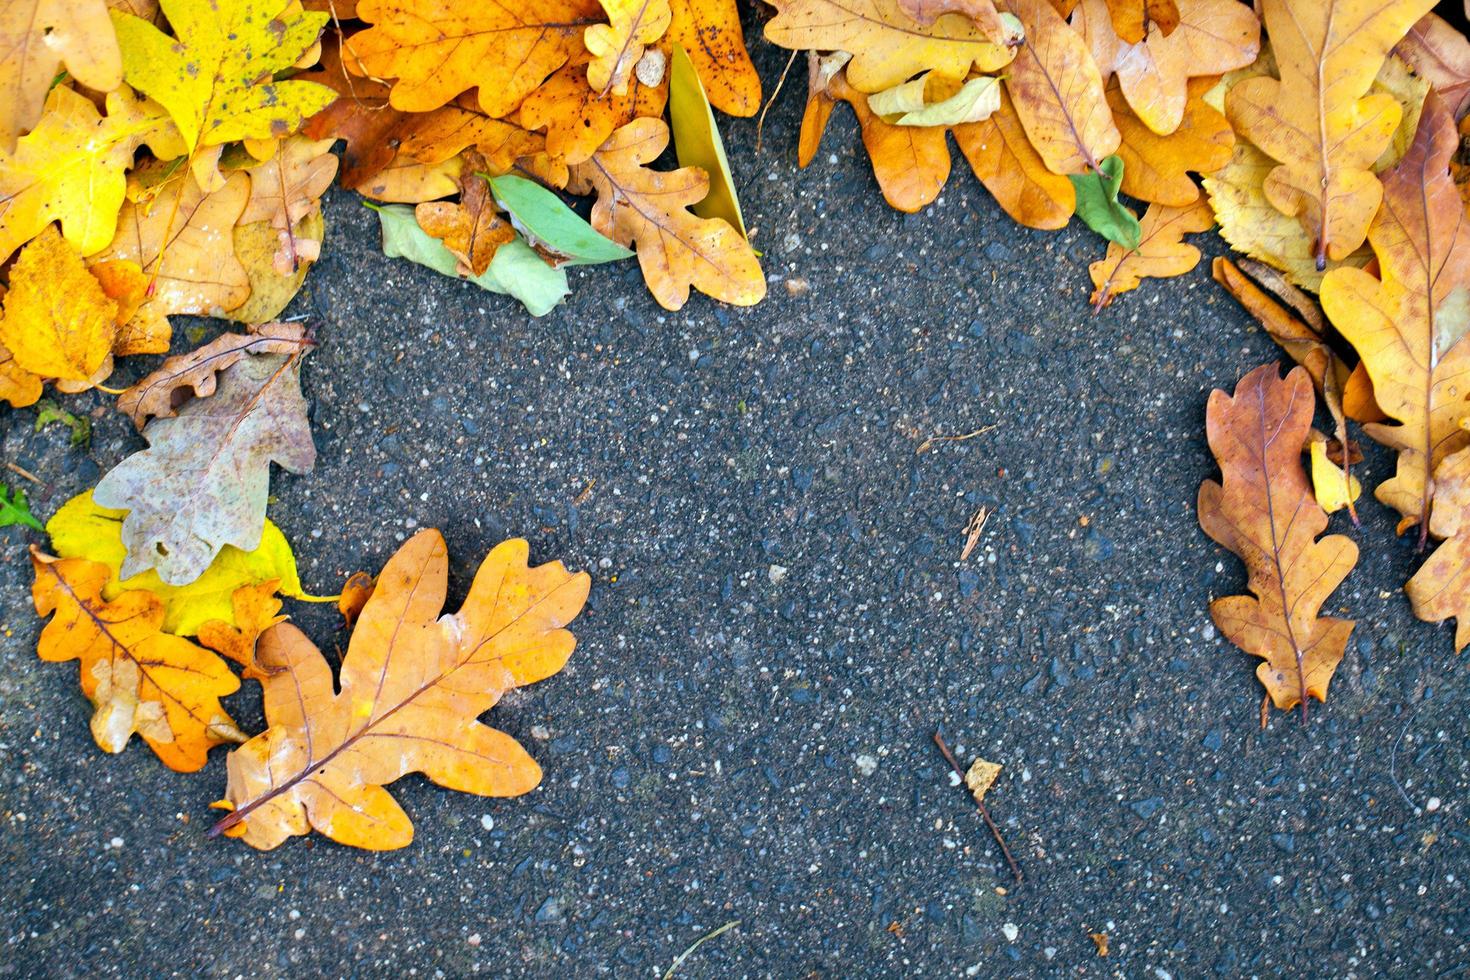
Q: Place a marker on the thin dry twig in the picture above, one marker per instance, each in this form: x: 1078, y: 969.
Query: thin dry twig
x: 698, y: 943
x: 984, y: 812
x: 586, y: 492
x: 760, y: 124
x: 960, y: 438
x: 973, y: 530
x: 21, y: 471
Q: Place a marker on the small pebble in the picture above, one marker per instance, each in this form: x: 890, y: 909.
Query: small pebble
x: 1433, y: 804
x: 866, y: 764
x: 1011, y: 931
x: 777, y: 574
x: 488, y: 822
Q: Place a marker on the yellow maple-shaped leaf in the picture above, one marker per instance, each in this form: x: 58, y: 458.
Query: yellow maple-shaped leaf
x: 617, y: 45
x: 412, y: 686
x: 1058, y: 92
x: 1318, y: 121
x: 37, y: 37
x: 72, y: 167
x: 710, y: 31
x: 436, y: 49
x: 58, y: 323
x: 1161, y: 250
x: 138, y: 678
x: 216, y: 76
x: 183, y: 239
x: 1409, y: 324
x: 256, y: 609
x: 887, y: 46
x: 648, y: 209
x: 81, y: 529
x: 1210, y: 37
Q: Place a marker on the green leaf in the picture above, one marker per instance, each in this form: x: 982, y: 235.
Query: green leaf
x: 697, y: 141
x: 516, y: 270
x: 1098, y: 205
x: 544, y: 216
x: 15, y: 509
x: 49, y: 412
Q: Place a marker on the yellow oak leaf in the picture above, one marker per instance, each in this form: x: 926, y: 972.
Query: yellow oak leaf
x: 709, y: 30
x: 138, y: 678
x: 1210, y: 38
x: 1409, y: 324
x: 412, y: 685
x: 1058, y: 92
x: 81, y: 529
x: 72, y: 167
x: 37, y: 37
x: 1157, y: 168
x: 1318, y: 120
x: 216, y: 77
x: 886, y: 45
x: 617, y: 45
x: 58, y: 323
x: 183, y: 239
x: 436, y: 49
x: 1161, y: 251
x: 676, y: 249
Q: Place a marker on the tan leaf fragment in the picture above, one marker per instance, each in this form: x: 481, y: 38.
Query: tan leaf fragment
x: 980, y: 777
x: 1161, y: 251
x: 472, y: 228
x: 709, y: 30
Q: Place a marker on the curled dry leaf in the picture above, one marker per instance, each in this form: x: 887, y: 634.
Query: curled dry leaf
x: 437, y: 50
x: 58, y: 323
x: 201, y: 484
x: 1408, y: 325
x: 195, y: 374
x: 356, y: 591
x: 1161, y: 251
x: 887, y: 47
x: 38, y: 37
x: 71, y: 167
x: 138, y: 678
x: 1440, y: 54
x: 617, y: 45
x: 1157, y: 168
x: 412, y: 683
x: 256, y: 610
x: 646, y: 208
x: 1318, y: 121
x: 1264, y: 511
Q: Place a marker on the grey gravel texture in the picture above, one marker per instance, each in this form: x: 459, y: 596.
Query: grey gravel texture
x: 779, y: 621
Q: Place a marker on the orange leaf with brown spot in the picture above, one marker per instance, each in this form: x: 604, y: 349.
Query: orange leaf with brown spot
x: 471, y: 228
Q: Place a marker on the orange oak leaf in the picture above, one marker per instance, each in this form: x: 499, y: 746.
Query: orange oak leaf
x: 648, y: 209
x: 1010, y: 168
x: 356, y: 591
x: 1408, y: 324
x: 1161, y: 250
x: 1211, y: 38
x: 138, y: 678
x: 412, y: 685
x: 1264, y: 511
x: 1440, y: 589
x: 36, y: 38
x: 1318, y: 121
x: 471, y: 228
x: 577, y: 120
x: 1133, y: 19
x: 256, y: 610
x: 506, y: 144
x: 436, y: 49
x: 911, y: 163
x: 361, y: 116
x: 1157, y: 168
x: 1058, y: 92
x: 709, y: 31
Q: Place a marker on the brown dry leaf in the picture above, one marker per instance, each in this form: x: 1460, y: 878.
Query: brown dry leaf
x: 1010, y: 168
x: 182, y: 239
x: 256, y: 610
x: 980, y: 777
x: 1058, y: 92
x: 1318, y: 121
x: 412, y: 684
x: 676, y: 250
x: 1161, y: 251
x: 887, y: 47
x: 1264, y: 511
x: 1211, y: 38
x: 471, y: 228
x: 193, y: 375
x: 138, y: 678
x: 141, y: 326
x: 1409, y: 325
x: 357, y: 590
x: 1133, y: 19
x: 1157, y: 168
x: 57, y: 323
x: 435, y: 49
x: 1440, y: 589
x: 911, y: 163
x: 37, y: 37
x: 577, y: 120
x: 1440, y: 54
x: 361, y: 117
x: 289, y: 186
x: 709, y: 31
x: 617, y: 45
